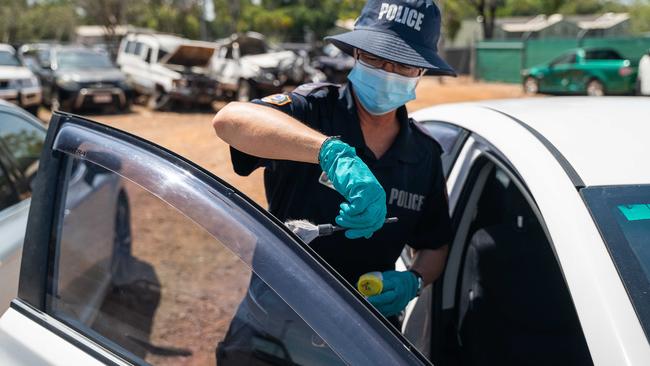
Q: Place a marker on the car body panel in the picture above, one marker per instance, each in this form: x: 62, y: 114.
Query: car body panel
x: 608, y: 319
x: 598, y: 138
x: 573, y: 76
x: 25, y: 342
x: 13, y: 221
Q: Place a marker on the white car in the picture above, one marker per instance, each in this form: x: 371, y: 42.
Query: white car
x: 168, y: 68
x: 549, y: 264
x: 247, y: 67
x: 18, y: 84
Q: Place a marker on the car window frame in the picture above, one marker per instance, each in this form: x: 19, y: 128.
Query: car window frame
x: 480, y: 155
x: 46, y: 213
x: 459, y: 142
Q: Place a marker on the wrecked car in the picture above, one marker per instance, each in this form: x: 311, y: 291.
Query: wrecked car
x: 248, y: 67
x: 165, y: 69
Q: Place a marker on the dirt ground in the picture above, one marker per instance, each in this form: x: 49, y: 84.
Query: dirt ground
x: 179, y: 304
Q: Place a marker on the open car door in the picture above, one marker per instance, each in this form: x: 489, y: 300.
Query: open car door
x: 134, y: 255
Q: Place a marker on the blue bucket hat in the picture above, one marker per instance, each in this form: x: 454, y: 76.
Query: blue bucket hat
x: 404, y: 31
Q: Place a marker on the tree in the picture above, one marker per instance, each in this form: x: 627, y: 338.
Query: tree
x: 487, y: 11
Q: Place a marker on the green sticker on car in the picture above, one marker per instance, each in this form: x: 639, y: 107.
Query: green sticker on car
x: 635, y: 212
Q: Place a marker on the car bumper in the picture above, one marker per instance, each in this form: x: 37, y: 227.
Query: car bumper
x: 89, y: 97
x: 25, y: 97
x: 194, y: 95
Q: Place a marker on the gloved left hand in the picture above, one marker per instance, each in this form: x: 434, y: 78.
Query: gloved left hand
x: 399, y: 288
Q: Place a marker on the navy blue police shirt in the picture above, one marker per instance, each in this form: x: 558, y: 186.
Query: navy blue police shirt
x: 410, y: 172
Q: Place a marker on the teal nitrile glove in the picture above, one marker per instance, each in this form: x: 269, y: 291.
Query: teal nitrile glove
x: 399, y: 288
x: 365, y: 211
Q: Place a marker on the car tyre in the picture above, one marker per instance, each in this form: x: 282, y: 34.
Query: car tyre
x: 33, y: 109
x: 159, y: 100
x: 246, y: 91
x: 531, y: 85
x: 595, y: 88
x: 55, y: 101
x: 121, y: 256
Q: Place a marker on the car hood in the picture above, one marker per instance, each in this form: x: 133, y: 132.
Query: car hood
x: 15, y: 72
x: 196, y: 54
x: 90, y: 75
x: 269, y: 60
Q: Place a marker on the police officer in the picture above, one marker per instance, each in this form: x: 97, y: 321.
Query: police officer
x: 350, y: 154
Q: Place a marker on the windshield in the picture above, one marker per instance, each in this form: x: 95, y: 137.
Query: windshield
x: 622, y: 214
x: 8, y: 59
x: 82, y: 59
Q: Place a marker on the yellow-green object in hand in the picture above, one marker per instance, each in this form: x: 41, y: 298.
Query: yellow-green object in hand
x: 370, y: 284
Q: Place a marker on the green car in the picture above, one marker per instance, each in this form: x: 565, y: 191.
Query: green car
x: 591, y: 71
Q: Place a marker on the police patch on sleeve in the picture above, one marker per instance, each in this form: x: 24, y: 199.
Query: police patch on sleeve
x: 277, y: 99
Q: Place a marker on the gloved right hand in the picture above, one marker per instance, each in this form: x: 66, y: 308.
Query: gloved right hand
x: 365, y: 209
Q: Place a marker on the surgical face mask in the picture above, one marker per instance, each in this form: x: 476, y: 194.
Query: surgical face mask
x: 381, y: 91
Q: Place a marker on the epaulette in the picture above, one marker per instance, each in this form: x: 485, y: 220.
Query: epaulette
x: 310, y: 88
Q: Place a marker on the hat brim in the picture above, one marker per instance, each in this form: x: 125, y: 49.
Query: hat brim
x: 392, y: 48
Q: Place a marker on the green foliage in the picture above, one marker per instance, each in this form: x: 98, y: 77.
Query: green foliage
x: 640, y: 11
x: 287, y: 20
x: 49, y: 20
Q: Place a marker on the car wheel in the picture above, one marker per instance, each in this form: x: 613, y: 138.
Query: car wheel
x: 245, y: 91
x: 33, y: 109
x: 126, y: 108
x: 531, y: 85
x: 55, y: 102
x: 158, y: 100
x: 595, y: 88
x: 121, y: 256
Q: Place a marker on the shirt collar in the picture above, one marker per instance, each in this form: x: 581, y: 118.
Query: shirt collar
x: 403, y: 148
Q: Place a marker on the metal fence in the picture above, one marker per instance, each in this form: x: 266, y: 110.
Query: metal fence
x: 503, y: 60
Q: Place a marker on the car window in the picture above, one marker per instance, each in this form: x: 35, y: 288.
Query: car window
x: 130, y: 47
x: 569, y: 58
x: 83, y: 59
x: 138, y: 48
x: 513, y: 302
x: 137, y: 273
x: 603, y: 55
x: 23, y: 141
x: 450, y: 138
x: 622, y: 214
x: 8, y: 196
x: 8, y: 59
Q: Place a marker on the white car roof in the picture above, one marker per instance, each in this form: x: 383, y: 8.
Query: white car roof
x: 7, y: 47
x: 605, y: 140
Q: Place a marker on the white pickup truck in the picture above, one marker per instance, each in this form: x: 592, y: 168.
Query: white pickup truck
x: 168, y: 68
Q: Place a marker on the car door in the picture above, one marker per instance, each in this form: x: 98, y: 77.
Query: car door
x: 418, y: 325
x: 502, y: 298
x: 197, y: 251
x: 21, y: 141
x: 558, y: 78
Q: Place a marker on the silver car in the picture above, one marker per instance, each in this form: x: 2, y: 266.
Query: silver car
x: 22, y: 137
